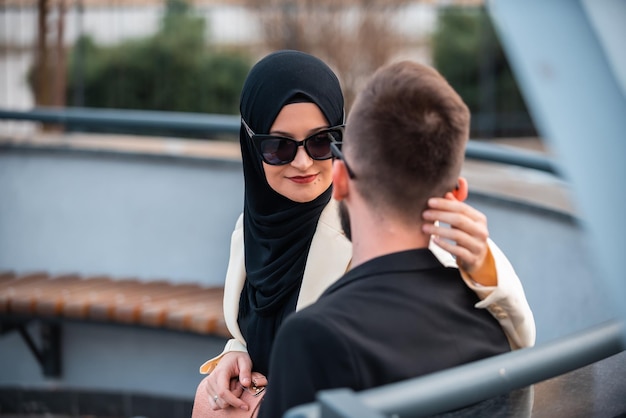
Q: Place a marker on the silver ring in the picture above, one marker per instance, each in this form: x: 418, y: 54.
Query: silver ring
x: 215, y: 398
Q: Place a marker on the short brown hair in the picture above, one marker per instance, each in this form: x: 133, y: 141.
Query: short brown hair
x: 405, y: 137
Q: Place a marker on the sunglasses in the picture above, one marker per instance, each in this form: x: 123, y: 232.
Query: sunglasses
x: 278, y: 150
x: 335, y: 149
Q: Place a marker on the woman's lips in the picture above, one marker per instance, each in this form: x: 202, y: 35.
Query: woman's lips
x: 303, y: 179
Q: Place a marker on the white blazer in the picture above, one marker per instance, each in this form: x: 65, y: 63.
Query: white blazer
x: 329, y: 258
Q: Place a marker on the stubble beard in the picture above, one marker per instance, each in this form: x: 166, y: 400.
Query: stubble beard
x: 344, y: 217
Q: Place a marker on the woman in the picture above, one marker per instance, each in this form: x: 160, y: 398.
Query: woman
x: 294, y: 245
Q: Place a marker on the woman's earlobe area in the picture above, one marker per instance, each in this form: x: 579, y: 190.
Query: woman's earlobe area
x: 461, y: 190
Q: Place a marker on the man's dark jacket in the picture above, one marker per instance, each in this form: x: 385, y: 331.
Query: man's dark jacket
x: 392, y: 318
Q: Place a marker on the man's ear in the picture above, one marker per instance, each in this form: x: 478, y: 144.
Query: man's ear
x: 461, y: 190
x: 340, y: 180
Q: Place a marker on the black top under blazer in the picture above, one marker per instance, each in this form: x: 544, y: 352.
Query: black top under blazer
x: 392, y: 318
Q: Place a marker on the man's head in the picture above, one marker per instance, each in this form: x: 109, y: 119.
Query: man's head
x: 405, y: 138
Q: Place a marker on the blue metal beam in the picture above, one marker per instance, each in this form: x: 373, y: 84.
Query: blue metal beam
x: 568, y: 57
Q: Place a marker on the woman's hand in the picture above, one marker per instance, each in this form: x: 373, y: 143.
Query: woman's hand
x: 226, y: 382
x: 468, y: 229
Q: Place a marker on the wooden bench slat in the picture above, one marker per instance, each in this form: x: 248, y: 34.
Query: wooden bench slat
x: 195, y: 317
x: 6, y: 276
x: 129, y: 311
x: 25, y: 298
x: 16, y: 281
x: 188, y: 307
x: 54, y: 303
x: 65, y: 300
x: 152, y: 313
x: 155, y: 313
x: 101, y: 304
x: 208, y: 322
x: 98, y: 298
x: 10, y: 287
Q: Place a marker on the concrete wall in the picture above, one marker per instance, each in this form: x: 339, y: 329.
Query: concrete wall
x: 119, y: 215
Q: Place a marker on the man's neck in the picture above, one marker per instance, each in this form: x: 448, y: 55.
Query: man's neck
x: 375, y: 234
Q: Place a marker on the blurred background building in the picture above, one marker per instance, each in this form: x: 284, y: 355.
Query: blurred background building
x: 88, y: 52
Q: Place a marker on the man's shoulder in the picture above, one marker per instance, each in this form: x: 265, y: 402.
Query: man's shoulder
x: 305, y: 317
x: 321, y: 320
x: 310, y: 317
x: 309, y: 333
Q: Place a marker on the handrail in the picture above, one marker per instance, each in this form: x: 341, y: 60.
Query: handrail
x: 212, y: 124
x: 129, y: 119
x: 498, y: 154
x: 470, y: 383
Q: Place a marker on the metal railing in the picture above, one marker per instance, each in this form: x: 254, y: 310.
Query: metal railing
x: 128, y: 120
x: 215, y: 125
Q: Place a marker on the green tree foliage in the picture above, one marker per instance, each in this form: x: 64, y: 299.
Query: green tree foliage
x: 172, y: 70
x: 467, y: 52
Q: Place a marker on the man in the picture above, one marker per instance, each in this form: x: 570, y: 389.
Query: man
x: 398, y: 312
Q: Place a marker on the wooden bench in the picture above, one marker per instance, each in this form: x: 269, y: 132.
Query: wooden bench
x: 53, y: 298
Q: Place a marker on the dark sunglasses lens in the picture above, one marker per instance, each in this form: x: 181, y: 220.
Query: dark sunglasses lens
x: 278, y: 151
x: 318, y: 145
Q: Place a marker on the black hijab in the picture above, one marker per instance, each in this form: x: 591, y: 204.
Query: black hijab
x: 278, y: 231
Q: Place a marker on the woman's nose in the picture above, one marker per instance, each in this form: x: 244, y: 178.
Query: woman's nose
x: 302, y: 161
